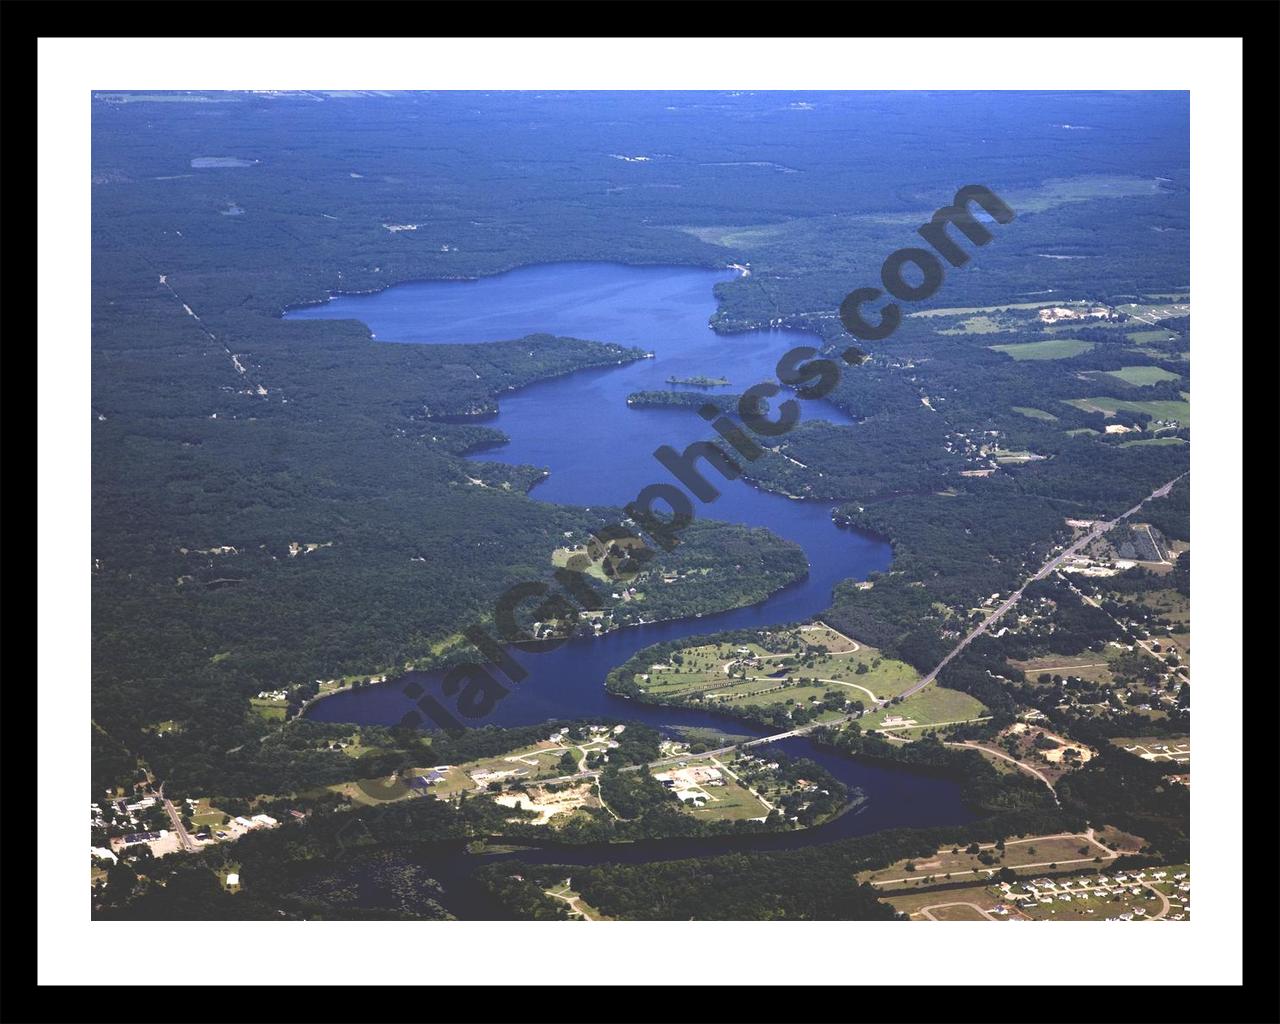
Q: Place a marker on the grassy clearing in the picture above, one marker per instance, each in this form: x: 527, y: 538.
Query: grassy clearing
x: 1058, y: 348
x: 931, y: 706
x: 913, y: 903
x: 1091, y: 666
x: 1176, y: 412
x: 206, y: 815
x: 1168, y: 604
x: 958, y: 912
x: 1150, y: 337
x: 1141, y: 376
x: 580, y: 560
x: 752, y: 674
x: 270, y: 710
x: 730, y: 802
x: 1025, y: 856
x: 1033, y: 413
x: 981, y: 324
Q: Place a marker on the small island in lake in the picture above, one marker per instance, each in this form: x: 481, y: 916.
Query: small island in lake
x: 701, y: 382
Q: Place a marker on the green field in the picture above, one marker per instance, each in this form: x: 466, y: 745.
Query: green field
x: 1179, y: 412
x: 1030, y: 854
x: 1148, y: 337
x: 1141, y: 376
x: 1093, y: 667
x: 271, y: 710
x: 981, y: 324
x: 1153, y: 440
x: 206, y: 815
x: 1058, y: 348
x: 913, y: 903
x: 1035, y: 414
x: 701, y: 673
x: 730, y: 802
x: 932, y: 705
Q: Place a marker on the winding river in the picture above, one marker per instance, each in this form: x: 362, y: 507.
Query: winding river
x: 600, y: 452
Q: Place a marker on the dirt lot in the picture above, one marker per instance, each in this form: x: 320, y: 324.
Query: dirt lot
x: 548, y: 804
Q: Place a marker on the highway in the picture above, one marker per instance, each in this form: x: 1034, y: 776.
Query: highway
x: 1098, y: 530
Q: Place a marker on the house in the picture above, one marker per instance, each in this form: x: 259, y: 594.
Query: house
x: 233, y: 879
x: 265, y: 820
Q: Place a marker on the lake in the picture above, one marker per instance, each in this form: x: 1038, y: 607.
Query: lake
x: 600, y: 452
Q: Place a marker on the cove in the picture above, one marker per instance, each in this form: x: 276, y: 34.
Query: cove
x: 600, y: 452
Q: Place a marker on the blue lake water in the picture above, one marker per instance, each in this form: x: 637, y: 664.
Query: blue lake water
x: 600, y: 452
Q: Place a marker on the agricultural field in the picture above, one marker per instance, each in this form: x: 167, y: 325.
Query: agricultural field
x: 934, y: 705
x: 1057, y: 348
x: 1141, y: 376
x: 1174, y: 412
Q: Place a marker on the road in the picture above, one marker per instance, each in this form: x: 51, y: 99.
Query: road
x: 1012, y: 760
x: 924, y: 911
x: 991, y: 751
x: 175, y: 819
x: 1098, y: 530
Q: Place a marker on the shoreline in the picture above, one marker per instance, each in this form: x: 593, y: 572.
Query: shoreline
x: 337, y: 293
